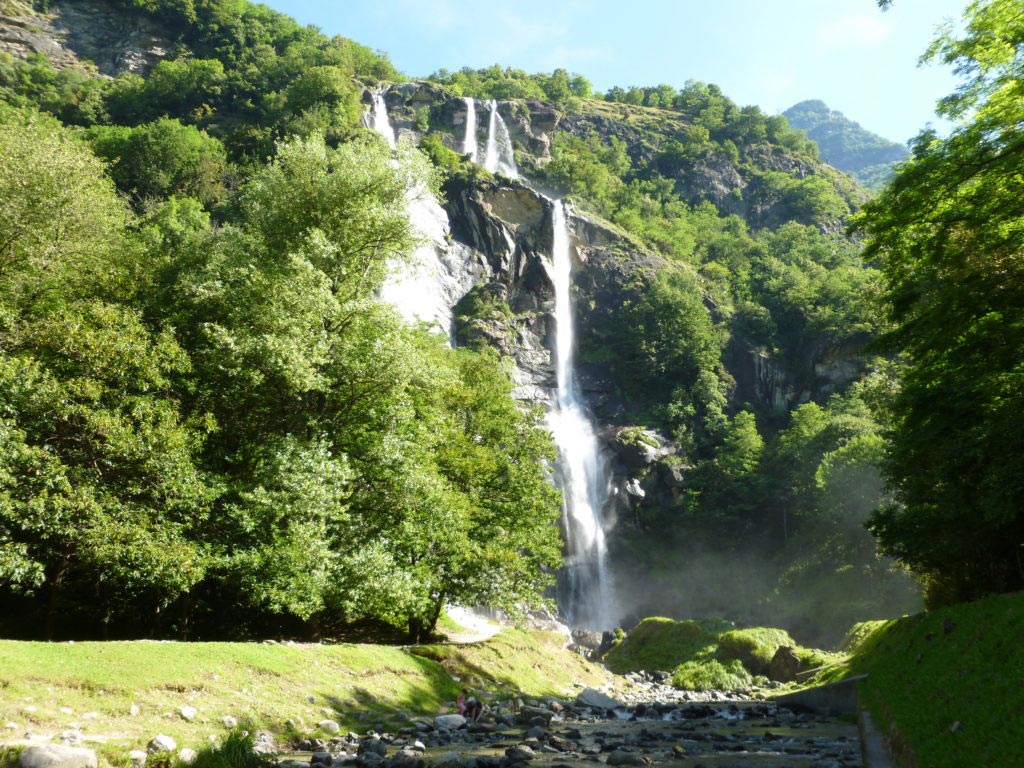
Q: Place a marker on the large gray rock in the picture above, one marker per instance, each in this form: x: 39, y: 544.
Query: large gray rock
x: 450, y: 722
x: 376, y: 745
x: 161, y: 743
x: 264, y: 744
x: 785, y: 665
x: 589, y: 697
x: 519, y: 753
x: 56, y: 756
x: 528, y: 714
x: 407, y: 758
x: 329, y: 726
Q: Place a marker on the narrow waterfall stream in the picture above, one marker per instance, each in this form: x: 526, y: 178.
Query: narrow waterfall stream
x: 586, y: 592
x: 499, y: 157
x: 377, y: 119
x: 469, y: 137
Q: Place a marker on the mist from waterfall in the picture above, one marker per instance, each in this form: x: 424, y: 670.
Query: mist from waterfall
x: 586, y: 592
x: 469, y: 137
x: 499, y: 157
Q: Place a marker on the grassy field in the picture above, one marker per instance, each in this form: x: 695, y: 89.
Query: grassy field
x: 121, y: 694
x: 951, y: 680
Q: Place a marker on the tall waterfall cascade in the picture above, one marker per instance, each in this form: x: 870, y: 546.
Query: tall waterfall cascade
x: 586, y: 591
x: 499, y: 157
x: 469, y: 137
x: 377, y: 119
x: 427, y: 286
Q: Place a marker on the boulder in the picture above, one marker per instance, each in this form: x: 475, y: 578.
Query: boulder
x: 187, y: 756
x: 374, y: 744
x: 137, y: 758
x: 785, y: 665
x: 228, y: 721
x: 589, y: 697
x: 187, y: 713
x: 161, y: 743
x: 369, y: 760
x: 407, y: 758
x: 329, y: 726
x: 56, y: 756
x: 528, y: 714
x: 264, y: 744
x: 450, y: 722
x: 519, y: 753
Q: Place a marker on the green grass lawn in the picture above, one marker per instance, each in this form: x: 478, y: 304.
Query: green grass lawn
x: 48, y: 687
x: 952, y: 681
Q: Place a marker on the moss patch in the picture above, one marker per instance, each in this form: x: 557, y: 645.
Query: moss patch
x: 951, y: 680
x: 706, y: 654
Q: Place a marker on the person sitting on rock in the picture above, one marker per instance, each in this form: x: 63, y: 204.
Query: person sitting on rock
x: 470, y: 706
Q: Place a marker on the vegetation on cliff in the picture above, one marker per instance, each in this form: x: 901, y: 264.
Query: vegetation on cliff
x: 868, y: 157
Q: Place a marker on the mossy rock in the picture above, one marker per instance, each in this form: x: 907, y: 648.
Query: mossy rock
x: 658, y: 643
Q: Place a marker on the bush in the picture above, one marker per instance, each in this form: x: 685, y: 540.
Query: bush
x: 235, y: 751
x: 712, y: 675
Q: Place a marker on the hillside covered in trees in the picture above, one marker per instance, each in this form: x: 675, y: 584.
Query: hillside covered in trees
x: 866, y: 156
x: 213, y: 427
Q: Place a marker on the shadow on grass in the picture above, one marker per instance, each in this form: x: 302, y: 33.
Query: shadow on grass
x: 424, y: 691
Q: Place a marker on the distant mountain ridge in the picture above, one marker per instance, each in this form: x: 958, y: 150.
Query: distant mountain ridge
x: 843, y: 143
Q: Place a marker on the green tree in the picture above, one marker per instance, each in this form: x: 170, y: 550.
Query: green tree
x: 947, y: 235
x: 163, y: 158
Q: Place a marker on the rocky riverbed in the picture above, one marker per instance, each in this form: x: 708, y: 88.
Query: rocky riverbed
x: 595, y: 729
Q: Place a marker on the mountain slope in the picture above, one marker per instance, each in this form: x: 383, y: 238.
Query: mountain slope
x: 845, y: 144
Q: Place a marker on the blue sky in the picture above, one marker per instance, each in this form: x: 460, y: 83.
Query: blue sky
x: 772, y: 53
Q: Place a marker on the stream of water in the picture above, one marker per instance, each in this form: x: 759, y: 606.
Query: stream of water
x: 587, y: 595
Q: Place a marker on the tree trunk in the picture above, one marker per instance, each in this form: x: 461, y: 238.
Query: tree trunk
x: 56, y: 585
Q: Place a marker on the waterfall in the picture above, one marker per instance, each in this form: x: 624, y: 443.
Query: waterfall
x: 425, y: 287
x: 469, y: 139
x: 377, y: 119
x: 499, y: 157
x: 586, y: 591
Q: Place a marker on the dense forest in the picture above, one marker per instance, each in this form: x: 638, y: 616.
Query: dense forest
x: 212, y: 427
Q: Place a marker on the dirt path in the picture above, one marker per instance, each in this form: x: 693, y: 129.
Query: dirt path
x: 474, y: 627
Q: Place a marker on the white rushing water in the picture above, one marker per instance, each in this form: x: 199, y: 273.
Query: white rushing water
x: 587, y: 593
x: 426, y: 286
x: 469, y: 138
x: 377, y: 119
x: 499, y: 157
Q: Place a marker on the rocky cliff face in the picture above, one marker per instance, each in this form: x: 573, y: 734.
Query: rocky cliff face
x: 486, y: 260
x: 83, y: 35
